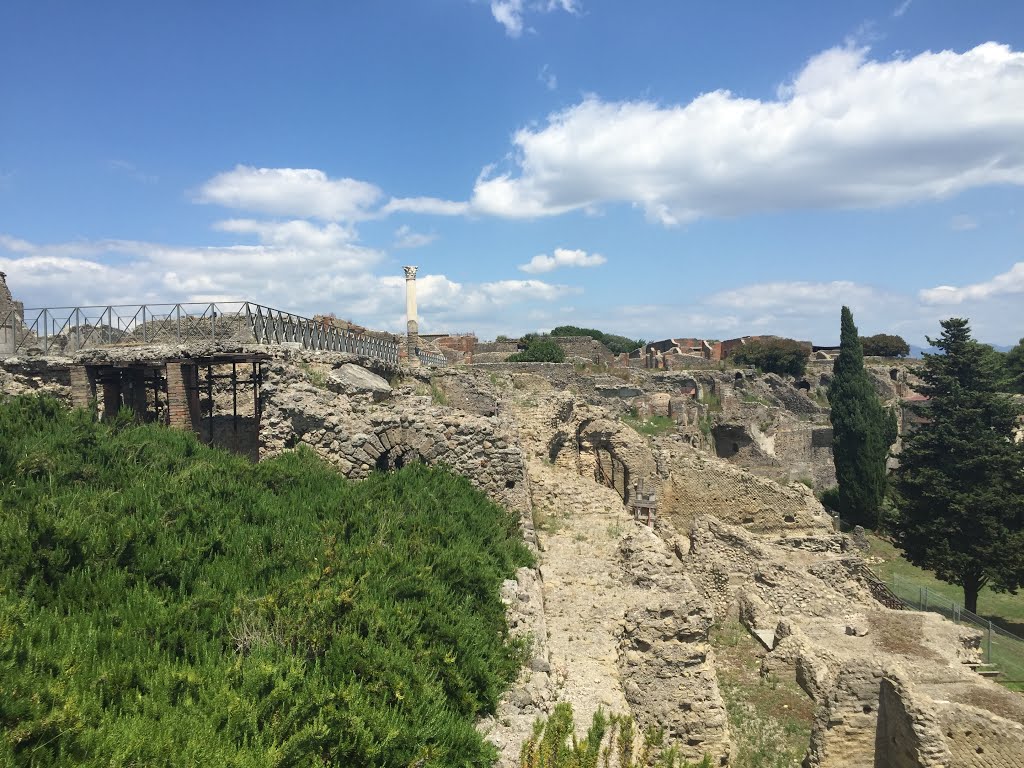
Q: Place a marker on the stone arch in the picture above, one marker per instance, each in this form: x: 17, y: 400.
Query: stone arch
x: 894, y: 374
x: 397, y: 457
x: 394, y: 448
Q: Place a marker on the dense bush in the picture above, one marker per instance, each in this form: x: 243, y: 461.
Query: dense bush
x: 785, y: 357
x: 539, y: 349
x: 617, y: 344
x: 167, y: 604
x: 885, y: 345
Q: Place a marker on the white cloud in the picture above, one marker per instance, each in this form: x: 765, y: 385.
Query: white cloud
x: 963, y: 222
x: 902, y: 8
x: 510, y: 13
x: 426, y: 205
x: 1007, y: 283
x: 795, y: 297
x: 406, y: 238
x: 291, y: 192
x: 563, y: 257
x: 846, y: 132
x: 303, y: 269
x: 298, y: 232
x: 547, y: 77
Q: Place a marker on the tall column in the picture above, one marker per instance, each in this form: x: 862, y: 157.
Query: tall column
x: 412, y: 327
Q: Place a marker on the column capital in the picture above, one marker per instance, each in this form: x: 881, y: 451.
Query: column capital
x: 410, y: 272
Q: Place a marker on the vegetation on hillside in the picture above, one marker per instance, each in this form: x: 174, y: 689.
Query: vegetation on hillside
x: 885, y: 345
x: 617, y: 344
x: 862, y: 431
x: 167, y: 604
x: 959, y: 489
x: 539, y: 349
x: 610, y: 740
x: 785, y: 357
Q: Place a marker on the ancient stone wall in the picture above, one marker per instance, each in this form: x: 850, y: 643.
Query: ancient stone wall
x: 696, y: 485
x: 359, y: 436
x: 908, y: 734
x: 977, y: 738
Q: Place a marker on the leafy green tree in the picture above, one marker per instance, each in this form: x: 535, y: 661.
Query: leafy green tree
x: 785, y: 357
x: 862, y: 431
x: 960, y: 484
x: 539, y: 349
x: 885, y: 345
x: 1013, y: 368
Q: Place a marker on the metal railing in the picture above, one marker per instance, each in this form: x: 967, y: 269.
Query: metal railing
x: 431, y: 358
x: 999, y: 647
x: 64, y: 330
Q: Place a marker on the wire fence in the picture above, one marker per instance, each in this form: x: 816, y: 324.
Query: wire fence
x: 1000, y: 648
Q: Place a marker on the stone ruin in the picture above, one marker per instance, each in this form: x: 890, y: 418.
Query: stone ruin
x: 619, y: 611
x: 12, y: 315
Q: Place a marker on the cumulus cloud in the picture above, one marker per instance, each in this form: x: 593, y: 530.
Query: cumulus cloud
x: 406, y: 238
x: 563, y: 257
x: 304, y: 269
x: 291, y: 192
x: 1007, y: 283
x: 846, y: 132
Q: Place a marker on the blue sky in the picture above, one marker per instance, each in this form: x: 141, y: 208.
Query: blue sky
x: 651, y: 168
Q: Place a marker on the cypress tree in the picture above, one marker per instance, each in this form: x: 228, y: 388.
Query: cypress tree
x: 960, y: 485
x: 862, y: 431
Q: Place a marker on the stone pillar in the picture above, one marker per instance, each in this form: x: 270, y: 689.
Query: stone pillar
x: 412, y: 327
x: 182, y: 402
x: 83, y: 386
x: 138, y: 399
x: 111, y: 396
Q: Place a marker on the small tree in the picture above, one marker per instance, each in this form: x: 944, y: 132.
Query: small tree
x: 782, y: 356
x: 885, y: 345
x: 960, y: 484
x: 862, y: 431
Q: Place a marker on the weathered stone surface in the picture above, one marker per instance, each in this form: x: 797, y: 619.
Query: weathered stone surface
x: 350, y: 379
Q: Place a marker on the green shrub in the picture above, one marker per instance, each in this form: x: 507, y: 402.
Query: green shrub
x: 164, y: 603
x: 785, y: 357
x: 885, y: 345
x: 553, y: 744
x: 539, y: 349
x: 830, y: 499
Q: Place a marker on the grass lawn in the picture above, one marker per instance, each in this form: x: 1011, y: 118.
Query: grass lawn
x: 1003, y: 609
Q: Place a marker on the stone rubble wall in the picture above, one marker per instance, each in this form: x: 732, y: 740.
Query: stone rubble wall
x: 42, y: 375
x: 696, y: 484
